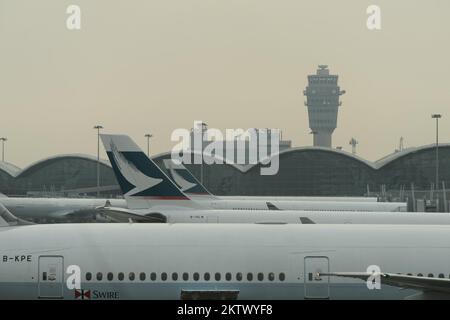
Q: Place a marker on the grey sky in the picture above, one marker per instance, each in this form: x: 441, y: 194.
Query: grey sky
x: 153, y: 66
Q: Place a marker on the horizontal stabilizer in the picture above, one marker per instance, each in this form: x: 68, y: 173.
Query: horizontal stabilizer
x: 7, y: 219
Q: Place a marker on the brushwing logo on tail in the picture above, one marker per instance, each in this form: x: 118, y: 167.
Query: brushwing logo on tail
x: 133, y: 175
x: 179, y: 180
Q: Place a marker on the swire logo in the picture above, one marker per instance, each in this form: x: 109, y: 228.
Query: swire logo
x: 82, y: 294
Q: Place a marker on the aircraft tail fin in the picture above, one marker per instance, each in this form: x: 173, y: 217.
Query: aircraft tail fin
x: 7, y: 219
x: 306, y: 220
x: 142, y: 182
x: 271, y: 206
x: 186, y: 181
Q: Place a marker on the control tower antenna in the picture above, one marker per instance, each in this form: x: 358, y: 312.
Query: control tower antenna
x: 353, y: 143
x: 400, y: 144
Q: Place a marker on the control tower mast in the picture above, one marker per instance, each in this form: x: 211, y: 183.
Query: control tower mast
x: 353, y: 143
x: 322, y: 99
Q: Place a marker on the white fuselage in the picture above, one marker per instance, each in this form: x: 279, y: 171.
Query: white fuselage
x: 53, y: 209
x: 308, y: 205
x: 301, y: 205
x: 301, y: 198
x: 163, y: 261
x: 317, y: 217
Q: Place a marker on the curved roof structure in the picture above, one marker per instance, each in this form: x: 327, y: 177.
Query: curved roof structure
x: 302, y: 171
x: 15, y: 171
x: 396, y: 155
x: 61, y: 157
x: 372, y: 164
x: 9, y: 168
x: 324, y: 171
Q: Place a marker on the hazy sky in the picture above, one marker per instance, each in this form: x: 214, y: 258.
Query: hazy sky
x: 153, y: 66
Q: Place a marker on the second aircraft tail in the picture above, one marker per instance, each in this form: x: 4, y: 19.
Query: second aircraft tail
x: 142, y: 182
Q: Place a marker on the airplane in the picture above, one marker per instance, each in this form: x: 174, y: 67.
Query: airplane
x: 59, y: 210
x: 187, y: 182
x: 223, y: 261
x: 63, y: 210
x: 142, y: 180
x: 118, y: 215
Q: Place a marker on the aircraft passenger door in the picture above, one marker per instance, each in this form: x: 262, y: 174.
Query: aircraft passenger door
x: 316, y: 286
x: 51, y: 277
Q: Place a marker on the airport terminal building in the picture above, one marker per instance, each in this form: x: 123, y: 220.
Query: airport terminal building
x: 304, y: 171
x: 318, y: 170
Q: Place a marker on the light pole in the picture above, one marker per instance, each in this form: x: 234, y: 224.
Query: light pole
x: 314, y: 134
x: 204, y: 129
x: 3, y: 139
x: 148, y: 136
x: 98, y: 127
x: 437, y: 117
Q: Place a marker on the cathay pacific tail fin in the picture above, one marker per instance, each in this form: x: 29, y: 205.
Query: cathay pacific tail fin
x: 142, y: 182
x: 186, y: 181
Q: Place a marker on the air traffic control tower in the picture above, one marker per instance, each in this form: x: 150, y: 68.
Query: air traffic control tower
x: 322, y: 99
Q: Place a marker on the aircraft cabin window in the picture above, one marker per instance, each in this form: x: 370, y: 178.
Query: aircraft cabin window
x: 239, y: 276
x: 120, y: 276
x: 196, y: 276
x: 88, y: 276
x: 217, y: 276
x: 153, y: 276
x: 142, y: 276
x: 99, y: 276
x: 282, y: 276
x: 174, y: 276
x: 441, y: 275
x: 250, y: 276
x: 185, y: 276
x: 131, y: 276
x: 206, y: 276
x: 110, y: 276
x: 260, y: 276
x: 420, y: 275
x: 228, y: 276
x: 163, y: 276
x: 409, y: 274
x: 430, y: 275
x: 271, y: 276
